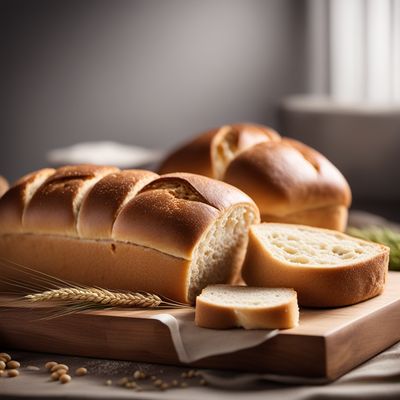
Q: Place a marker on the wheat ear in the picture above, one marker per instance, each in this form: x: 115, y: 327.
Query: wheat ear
x: 98, y: 296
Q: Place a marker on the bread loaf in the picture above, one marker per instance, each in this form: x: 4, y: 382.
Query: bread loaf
x: 225, y: 307
x: 3, y: 185
x: 289, y: 181
x: 326, y: 268
x: 133, y: 230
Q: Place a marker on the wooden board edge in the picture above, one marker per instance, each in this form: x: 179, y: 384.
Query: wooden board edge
x: 362, y: 340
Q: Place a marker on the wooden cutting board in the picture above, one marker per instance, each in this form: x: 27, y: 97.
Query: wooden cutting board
x: 327, y: 344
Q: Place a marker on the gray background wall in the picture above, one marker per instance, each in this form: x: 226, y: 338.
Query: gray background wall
x: 155, y: 72
x: 145, y: 72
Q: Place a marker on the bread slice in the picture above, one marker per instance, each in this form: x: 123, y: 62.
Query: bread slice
x: 225, y: 306
x: 325, y: 267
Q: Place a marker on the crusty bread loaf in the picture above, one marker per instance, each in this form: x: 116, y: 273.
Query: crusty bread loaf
x: 326, y: 268
x: 169, y: 235
x: 224, y: 307
x: 289, y: 181
x: 3, y: 185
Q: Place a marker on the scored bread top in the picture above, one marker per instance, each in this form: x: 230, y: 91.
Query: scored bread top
x: 15, y: 200
x: 209, y: 153
x: 168, y: 213
x: 107, y: 197
x: 286, y: 177
x: 174, y: 211
x: 55, y: 205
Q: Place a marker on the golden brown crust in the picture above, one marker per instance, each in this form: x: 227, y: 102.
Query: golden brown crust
x: 160, y: 228
x: 317, y: 286
x: 102, y: 263
x: 14, y: 201
x: 194, y: 157
x: 214, y: 193
x: 3, y: 185
x: 216, y: 316
x: 54, y: 206
x: 104, y: 201
x: 288, y: 180
x: 283, y: 180
x: 174, y: 211
x: 159, y: 220
x: 197, y: 155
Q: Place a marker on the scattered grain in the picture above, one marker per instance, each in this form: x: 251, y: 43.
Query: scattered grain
x: 108, y: 382
x: 123, y: 380
x: 65, y: 378
x: 174, y: 383
x: 5, y: 357
x: 184, y: 385
x: 158, y: 382
x: 61, y: 371
x: 81, y: 371
x: 164, y: 386
x: 130, y: 385
x: 12, y: 373
x: 54, y: 376
x: 190, y: 373
x: 49, y: 365
x: 13, y: 364
x: 203, y: 382
x: 137, y: 374
x: 59, y: 366
x: 153, y: 377
x: 32, y: 368
x: 184, y: 375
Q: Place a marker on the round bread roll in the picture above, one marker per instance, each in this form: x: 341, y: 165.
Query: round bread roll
x: 289, y: 181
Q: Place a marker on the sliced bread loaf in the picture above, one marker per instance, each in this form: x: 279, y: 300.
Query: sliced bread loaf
x: 225, y: 306
x: 326, y: 268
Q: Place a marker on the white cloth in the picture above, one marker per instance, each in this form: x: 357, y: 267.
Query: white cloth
x: 193, y: 343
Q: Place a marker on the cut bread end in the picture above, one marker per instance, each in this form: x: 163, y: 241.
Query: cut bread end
x: 325, y: 267
x: 225, y: 307
x: 219, y: 255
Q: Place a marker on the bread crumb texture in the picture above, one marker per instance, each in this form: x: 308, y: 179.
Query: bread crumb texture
x: 304, y: 246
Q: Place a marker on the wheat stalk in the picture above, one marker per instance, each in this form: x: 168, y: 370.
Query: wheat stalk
x: 97, y: 296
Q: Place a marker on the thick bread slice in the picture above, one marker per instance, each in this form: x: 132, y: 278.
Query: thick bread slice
x: 326, y: 268
x: 90, y: 225
x: 3, y: 185
x: 224, y: 307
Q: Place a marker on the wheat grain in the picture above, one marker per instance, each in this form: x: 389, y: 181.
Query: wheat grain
x: 97, y: 296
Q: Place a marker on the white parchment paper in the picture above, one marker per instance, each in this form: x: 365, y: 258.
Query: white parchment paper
x: 193, y: 343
